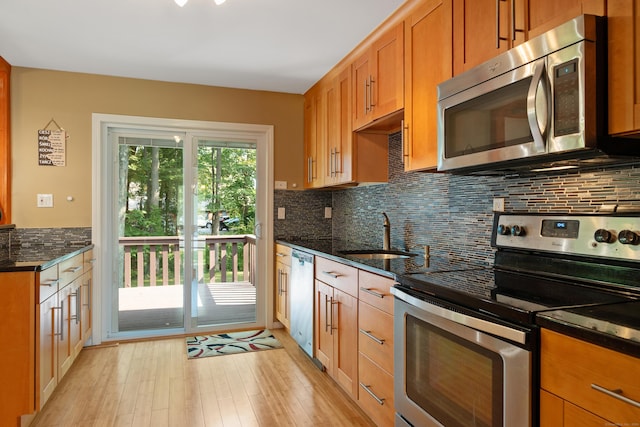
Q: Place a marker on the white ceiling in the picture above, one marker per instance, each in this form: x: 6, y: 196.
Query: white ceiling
x: 273, y: 45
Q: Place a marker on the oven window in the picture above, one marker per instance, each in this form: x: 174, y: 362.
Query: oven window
x: 457, y: 382
x: 494, y: 120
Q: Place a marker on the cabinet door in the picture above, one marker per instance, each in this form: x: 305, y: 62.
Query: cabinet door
x: 483, y: 29
x: 75, y: 316
x: 361, y: 79
x: 623, y: 23
x: 86, y: 291
x: 339, y: 159
x: 314, y: 138
x: 17, y: 332
x: 64, y: 346
x: 544, y: 15
x: 378, y: 85
x: 282, y: 289
x: 323, y: 328
x: 48, y: 350
x: 428, y: 62
x: 345, y: 351
x: 387, y: 88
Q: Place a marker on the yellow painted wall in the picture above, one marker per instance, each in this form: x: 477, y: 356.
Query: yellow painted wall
x: 38, y: 95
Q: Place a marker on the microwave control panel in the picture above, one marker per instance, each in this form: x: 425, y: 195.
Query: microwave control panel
x: 566, y: 98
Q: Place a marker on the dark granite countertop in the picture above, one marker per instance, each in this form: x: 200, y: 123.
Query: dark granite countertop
x: 41, y: 257
x: 333, y: 249
x: 621, y: 330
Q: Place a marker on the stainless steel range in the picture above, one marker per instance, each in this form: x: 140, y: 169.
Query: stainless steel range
x: 466, y: 338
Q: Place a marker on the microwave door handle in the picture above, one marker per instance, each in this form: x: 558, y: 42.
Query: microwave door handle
x: 538, y: 110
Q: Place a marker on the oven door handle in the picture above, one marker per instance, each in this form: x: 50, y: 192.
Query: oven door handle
x: 463, y: 319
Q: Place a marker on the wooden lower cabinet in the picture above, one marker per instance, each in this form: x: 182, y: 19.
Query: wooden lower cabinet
x: 336, y: 335
x: 49, y: 321
x: 375, y: 395
x: 48, y: 349
x: 283, y: 273
x: 375, y: 347
x: 354, y: 334
x: 17, y: 332
x: 571, y: 370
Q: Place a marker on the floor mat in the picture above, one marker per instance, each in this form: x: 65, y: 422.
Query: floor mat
x: 231, y: 343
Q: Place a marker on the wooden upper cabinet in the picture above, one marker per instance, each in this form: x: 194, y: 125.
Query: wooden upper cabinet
x: 483, y: 29
x: 334, y: 155
x: 378, y: 78
x: 313, y: 137
x: 339, y: 152
x: 428, y: 62
x: 623, y: 23
x: 544, y: 15
x: 5, y: 143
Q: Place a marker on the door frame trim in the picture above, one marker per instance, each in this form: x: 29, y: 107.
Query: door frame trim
x: 101, y: 226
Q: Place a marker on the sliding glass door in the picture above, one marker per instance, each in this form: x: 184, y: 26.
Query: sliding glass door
x: 182, y: 231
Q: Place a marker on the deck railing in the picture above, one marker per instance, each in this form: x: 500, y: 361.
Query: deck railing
x: 158, y: 259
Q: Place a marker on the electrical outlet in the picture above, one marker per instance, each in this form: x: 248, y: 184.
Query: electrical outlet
x: 45, y: 200
x: 327, y: 212
x: 498, y: 204
x: 281, y: 213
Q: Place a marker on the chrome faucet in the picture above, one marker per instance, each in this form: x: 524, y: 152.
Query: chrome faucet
x: 386, y: 243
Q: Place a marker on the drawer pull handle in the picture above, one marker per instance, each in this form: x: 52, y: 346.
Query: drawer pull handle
x: 371, y: 292
x: 372, y: 394
x: 331, y: 274
x: 281, y: 254
x: 373, y: 337
x: 50, y: 282
x: 616, y: 394
x: 73, y: 269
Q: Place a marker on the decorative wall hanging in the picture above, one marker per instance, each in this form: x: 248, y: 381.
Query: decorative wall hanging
x: 52, y: 148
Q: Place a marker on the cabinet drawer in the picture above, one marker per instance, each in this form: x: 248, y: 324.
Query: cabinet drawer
x: 70, y: 269
x: 376, y: 335
x: 376, y: 290
x: 48, y: 283
x: 375, y: 382
x: 571, y: 368
x: 338, y: 275
x: 283, y: 254
x: 88, y: 260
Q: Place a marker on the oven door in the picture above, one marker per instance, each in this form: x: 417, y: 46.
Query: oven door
x: 448, y: 372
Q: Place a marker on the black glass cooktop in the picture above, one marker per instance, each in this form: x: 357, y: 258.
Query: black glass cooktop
x: 509, y: 295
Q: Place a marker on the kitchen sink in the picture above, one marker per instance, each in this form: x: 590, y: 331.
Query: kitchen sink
x: 378, y: 254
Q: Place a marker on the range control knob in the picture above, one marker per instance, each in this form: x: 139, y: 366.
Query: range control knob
x: 603, y: 236
x: 516, y: 230
x: 504, y: 230
x: 628, y: 237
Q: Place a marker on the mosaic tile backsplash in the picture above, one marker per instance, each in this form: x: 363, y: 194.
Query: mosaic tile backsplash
x: 450, y: 213
x: 36, y: 243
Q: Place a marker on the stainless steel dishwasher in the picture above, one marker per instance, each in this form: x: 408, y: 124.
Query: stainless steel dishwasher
x: 301, y: 292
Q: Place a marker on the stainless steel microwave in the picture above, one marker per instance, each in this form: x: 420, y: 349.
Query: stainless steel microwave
x: 542, y: 103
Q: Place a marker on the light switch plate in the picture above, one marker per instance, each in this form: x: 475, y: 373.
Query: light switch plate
x: 45, y: 200
x: 327, y: 212
x: 281, y: 213
x: 498, y: 204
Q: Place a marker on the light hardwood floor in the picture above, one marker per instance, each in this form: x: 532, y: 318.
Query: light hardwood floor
x: 152, y: 383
